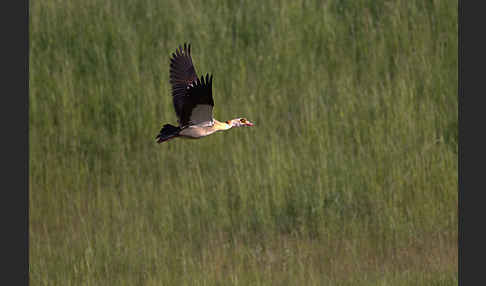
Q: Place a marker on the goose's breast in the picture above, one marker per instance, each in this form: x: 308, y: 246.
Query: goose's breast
x: 197, y: 131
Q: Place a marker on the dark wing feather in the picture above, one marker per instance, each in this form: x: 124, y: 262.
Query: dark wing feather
x: 182, y: 74
x: 198, y: 103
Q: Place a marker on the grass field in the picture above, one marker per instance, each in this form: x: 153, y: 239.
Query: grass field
x: 349, y: 177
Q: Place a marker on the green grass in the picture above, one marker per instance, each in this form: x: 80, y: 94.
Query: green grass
x: 349, y: 177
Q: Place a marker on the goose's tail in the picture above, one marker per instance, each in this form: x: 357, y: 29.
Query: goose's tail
x: 167, y: 132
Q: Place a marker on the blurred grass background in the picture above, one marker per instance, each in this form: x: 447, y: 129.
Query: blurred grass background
x: 349, y: 178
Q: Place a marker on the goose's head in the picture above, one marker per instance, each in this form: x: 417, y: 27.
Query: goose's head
x: 239, y: 122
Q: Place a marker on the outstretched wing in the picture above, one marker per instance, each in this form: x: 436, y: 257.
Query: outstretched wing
x: 182, y: 75
x: 197, y: 103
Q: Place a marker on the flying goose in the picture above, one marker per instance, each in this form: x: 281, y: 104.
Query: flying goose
x: 193, y: 101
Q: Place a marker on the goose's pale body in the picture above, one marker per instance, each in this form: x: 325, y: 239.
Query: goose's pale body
x: 197, y: 131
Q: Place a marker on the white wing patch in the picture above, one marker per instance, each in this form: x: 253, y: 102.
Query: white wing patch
x: 202, y: 114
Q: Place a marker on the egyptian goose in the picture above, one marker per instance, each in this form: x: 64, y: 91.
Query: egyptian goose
x: 193, y: 101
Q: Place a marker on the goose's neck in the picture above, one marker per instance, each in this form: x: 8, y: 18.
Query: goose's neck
x: 222, y: 125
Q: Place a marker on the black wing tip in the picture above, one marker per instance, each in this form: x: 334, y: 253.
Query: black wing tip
x: 209, y: 78
x: 184, y: 49
x: 187, y: 48
x: 204, y: 80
